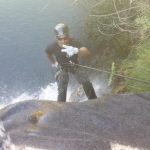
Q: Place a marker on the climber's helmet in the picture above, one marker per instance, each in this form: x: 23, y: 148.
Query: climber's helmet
x: 61, y: 29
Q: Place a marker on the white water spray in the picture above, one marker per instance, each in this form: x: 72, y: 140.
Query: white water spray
x: 5, y: 142
x: 45, y: 93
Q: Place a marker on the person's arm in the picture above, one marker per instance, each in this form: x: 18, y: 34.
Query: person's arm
x: 83, y: 51
x: 51, y: 58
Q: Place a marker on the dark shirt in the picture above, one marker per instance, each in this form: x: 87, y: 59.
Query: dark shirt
x: 53, y: 48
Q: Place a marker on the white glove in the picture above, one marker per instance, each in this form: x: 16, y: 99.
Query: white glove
x: 55, y: 64
x: 70, y: 50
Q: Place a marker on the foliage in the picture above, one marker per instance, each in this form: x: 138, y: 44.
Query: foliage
x: 137, y: 65
x: 111, y: 28
x: 120, y: 30
x: 141, y: 69
x: 143, y: 20
x: 111, y: 76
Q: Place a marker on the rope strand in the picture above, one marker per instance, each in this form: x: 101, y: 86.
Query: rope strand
x: 139, y: 80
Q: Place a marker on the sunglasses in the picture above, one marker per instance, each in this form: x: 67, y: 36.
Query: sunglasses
x: 60, y: 39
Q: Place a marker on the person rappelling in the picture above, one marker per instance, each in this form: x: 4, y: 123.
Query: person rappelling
x: 61, y: 52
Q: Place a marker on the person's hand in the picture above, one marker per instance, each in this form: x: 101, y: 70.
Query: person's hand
x: 55, y: 64
x: 70, y: 50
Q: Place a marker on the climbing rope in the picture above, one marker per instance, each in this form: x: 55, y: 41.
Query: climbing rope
x: 115, y: 74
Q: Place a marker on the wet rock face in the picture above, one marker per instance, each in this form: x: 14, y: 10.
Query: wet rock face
x: 91, y: 125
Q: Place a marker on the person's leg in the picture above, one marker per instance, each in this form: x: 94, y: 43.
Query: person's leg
x: 62, y: 79
x: 83, y: 79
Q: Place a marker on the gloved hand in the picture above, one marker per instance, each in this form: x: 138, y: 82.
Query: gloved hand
x: 70, y: 50
x: 55, y: 64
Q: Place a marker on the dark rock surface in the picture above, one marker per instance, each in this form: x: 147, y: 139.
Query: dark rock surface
x: 89, y: 125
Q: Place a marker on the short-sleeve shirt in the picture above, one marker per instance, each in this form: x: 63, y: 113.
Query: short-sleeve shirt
x: 53, y: 48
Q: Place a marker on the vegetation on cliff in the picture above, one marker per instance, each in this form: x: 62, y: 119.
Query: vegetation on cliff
x: 120, y: 33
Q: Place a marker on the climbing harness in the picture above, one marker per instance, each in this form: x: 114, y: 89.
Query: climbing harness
x: 139, y: 80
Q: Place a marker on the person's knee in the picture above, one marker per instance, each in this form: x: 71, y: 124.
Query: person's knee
x: 62, y: 77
